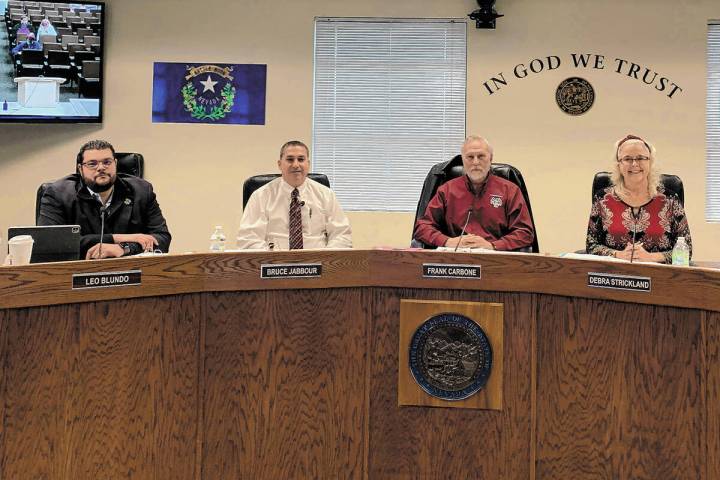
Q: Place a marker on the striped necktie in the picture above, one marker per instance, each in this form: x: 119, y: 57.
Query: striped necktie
x: 295, y: 237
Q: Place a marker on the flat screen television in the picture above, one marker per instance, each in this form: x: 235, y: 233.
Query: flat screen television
x: 51, y: 70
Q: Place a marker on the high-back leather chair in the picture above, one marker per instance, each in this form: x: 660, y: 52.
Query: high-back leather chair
x: 257, y: 181
x: 129, y: 163
x: 444, y: 171
x: 672, y: 183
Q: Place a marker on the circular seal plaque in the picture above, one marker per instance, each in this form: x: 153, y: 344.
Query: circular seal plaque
x: 575, y: 96
x: 450, y: 356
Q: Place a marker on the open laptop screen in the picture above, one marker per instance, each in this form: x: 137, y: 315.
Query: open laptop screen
x: 53, y: 243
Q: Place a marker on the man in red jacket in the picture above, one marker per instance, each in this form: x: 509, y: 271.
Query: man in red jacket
x: 492, y: 209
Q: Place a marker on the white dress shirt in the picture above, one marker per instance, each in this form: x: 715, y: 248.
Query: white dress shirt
x: 265, y: 219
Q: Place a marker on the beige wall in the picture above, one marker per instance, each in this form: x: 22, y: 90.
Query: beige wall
x: 198, y: 170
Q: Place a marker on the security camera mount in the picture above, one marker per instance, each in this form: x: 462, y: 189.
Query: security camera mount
x: 486, y: 15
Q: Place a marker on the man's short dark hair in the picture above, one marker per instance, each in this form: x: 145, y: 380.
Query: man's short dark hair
x: 94, y: 145
x: 293, y: 143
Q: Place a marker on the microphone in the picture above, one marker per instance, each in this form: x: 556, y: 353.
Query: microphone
x: 103, y: 207
x: 462, y: 232
x: 632, y: 254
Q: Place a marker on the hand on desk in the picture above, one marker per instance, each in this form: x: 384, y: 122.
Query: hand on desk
x: 147, y: 242
x: 109, y: 250
x: 469, y: 241
x: 640, y: 255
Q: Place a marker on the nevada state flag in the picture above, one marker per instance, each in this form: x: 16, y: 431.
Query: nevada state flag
x: 209, y: 93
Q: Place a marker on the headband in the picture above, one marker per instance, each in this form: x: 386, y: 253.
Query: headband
x: 628, y: 138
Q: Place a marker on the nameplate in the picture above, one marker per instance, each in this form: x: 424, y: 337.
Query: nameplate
x: 450, y: 270
x: 619, y: 282
x: 291, y: 270
x: 106, y: 279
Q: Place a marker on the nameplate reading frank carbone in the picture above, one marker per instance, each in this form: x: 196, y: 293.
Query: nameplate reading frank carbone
x: 106, y: 279
x: 291, y: 270
x: 619, y: 282
x: 449, y: 270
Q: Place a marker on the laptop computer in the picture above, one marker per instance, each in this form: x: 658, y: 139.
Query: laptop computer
x: 53, y: 243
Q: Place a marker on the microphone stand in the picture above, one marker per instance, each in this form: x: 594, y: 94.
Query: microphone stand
x: 632, y: 254
x: 103, y: 208
x: 462, y: 232
x: 102, y: 229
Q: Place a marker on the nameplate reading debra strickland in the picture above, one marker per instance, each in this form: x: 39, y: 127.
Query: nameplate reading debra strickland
x: 449, y: 270
x: 619, y: 282
x: 291, y: 270
x: 106, y: 279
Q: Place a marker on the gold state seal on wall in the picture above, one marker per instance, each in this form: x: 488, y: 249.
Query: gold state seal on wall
x: 450, y: 356
x: 575, y: 96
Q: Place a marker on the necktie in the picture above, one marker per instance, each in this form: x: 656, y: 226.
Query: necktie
x: 295, y: 238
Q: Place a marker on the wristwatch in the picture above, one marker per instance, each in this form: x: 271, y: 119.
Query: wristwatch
x: 126, y: 248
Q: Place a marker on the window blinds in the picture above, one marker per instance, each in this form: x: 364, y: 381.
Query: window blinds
x: 389, y: 102
x: 712, y: 200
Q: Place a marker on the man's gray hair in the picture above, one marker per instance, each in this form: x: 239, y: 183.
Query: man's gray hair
x: 478, y: 138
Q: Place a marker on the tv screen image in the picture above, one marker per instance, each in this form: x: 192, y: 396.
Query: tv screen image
x: 51, y: 62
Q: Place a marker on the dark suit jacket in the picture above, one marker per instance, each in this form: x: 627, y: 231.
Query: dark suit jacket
x: 133, y: 209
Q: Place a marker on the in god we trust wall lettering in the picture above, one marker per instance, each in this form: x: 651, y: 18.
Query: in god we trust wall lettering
x: 643, y: 74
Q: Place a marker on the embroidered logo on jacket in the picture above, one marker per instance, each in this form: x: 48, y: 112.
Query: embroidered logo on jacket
x: 496, y: 201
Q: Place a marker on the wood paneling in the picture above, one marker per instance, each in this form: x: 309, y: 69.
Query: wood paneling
x: 284, y: 393
x: 536, y: 273
x: 49, y: 284
x: 711, y: 370
x: 215, y: 373
x: 619, y: 391
x: 419, y: 442
x: 101, y: 390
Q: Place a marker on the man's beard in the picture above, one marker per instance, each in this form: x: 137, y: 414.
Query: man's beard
x: 100, y: 188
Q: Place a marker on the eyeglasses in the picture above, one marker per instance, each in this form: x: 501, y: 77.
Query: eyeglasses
x: 630, y: 160
x: 94, y: 164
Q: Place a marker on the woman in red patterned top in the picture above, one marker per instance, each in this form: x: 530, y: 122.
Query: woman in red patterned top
x: 635, y: 219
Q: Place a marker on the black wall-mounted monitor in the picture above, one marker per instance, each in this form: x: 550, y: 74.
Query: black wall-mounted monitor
x: 51, y: 62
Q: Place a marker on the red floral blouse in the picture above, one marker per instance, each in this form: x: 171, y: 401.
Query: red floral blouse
x: 656, y: 225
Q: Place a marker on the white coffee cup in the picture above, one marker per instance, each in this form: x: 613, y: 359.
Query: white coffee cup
x: 20, y: 248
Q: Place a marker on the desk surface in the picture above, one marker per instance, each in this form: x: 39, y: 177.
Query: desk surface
x: 51, y: 283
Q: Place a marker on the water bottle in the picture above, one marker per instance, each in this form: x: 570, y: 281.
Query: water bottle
x: 217, y: 240
x: 681, y: 253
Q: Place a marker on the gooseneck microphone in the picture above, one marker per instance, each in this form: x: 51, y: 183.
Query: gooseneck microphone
x: 103, y: 208
x: 635, y: 219
x: 462, y: 232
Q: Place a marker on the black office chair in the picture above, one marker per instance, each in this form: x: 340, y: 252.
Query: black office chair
x: 672, y: 184
x: 30, y: 63
x: 444, y: 171
x: 58, y: 65
x: 129, y: 163
x: 257, y: 181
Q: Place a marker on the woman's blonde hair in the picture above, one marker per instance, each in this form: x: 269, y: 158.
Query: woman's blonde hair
x: 653, y: 174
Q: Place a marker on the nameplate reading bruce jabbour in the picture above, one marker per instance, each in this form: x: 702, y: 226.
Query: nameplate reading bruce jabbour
x: 291, y: 270
x: 449, y: 270
x: 619, y: 282
x: 106, y: 279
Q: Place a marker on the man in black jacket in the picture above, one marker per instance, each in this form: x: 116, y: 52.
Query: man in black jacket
x: 133, y: 220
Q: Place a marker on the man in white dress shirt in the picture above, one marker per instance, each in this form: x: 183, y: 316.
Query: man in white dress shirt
x: 293, y: 203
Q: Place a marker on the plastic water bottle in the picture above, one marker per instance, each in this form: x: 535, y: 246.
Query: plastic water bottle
x: 681, y: 253
x: 217, y: 240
